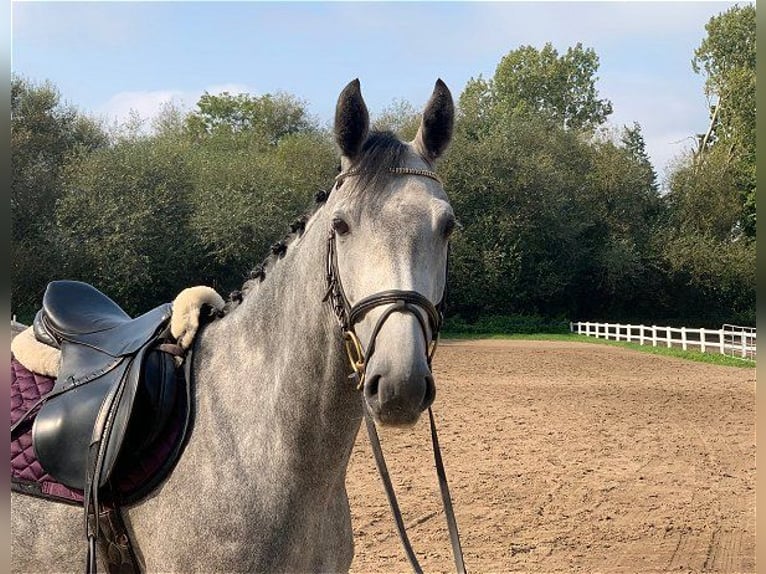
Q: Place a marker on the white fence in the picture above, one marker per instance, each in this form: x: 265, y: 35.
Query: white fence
x: 728, y: 340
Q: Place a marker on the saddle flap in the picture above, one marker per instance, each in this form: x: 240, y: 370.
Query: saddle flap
x: 63, y: 428
x: 96, y: 413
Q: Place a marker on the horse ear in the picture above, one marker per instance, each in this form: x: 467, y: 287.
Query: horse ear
x: 352, y: 121
x: 435, y: 130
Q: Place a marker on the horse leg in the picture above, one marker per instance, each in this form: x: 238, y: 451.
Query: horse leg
x: 335, y: 546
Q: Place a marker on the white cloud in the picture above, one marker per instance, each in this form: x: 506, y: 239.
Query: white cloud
x: 147, y: 104
x: 144, y: 103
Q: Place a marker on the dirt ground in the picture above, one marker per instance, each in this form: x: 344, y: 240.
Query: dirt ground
x: 569, y: 457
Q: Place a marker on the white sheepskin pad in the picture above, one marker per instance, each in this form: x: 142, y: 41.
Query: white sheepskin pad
x: 186, y: 307
x: 34, y: 355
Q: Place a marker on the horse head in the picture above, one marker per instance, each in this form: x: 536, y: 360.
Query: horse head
x: 388, y: 247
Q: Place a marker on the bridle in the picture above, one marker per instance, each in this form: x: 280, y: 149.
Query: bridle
x: 348, y: 316
x: 401, y: 301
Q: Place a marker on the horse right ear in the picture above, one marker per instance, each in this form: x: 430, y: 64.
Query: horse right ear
x: 352, y: 121
x: 435, y: 131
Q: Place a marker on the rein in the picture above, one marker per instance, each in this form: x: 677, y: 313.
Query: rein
x: 348, y: 316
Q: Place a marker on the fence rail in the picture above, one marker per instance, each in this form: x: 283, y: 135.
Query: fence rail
x: 731, y: 340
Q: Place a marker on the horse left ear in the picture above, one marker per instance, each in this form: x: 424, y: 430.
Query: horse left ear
x: 435, y: 132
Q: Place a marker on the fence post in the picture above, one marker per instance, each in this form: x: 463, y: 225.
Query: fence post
x: 683, y: 338
x: 641, y: 334
x: 669, y: 337
x: 744, y: 345
x: 722, y: 346
x: 703, y: 341
x: 654, y: 335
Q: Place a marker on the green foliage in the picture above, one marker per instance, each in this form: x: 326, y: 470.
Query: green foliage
x: 562, y: 88
x: 560, y: 216
x: 45, y: 135
x: 715, y: 275
x: 706, y: 239
x: 727, y: 58
x: 505, y: 324
x: 124, y: 221
x: 268, y: 117
x: 400, y: 117
x: 244, y: 197
x: 553, y: 223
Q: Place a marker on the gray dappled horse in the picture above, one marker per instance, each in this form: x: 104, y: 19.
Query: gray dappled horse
x: 261, y: 484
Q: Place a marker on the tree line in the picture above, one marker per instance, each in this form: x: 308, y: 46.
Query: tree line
x: 561, y: 217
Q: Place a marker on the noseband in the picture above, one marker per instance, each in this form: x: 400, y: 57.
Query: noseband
x: 402, y: 301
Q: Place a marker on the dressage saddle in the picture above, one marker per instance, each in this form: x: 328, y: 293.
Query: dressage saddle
x: 119, y: 387
x: 111, y: 370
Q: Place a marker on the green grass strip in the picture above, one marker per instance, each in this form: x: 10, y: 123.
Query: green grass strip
x: 712, y: 358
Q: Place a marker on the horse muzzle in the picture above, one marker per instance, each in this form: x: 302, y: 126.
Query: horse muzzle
x: 396, y: 394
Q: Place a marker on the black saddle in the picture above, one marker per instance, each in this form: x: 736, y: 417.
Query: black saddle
x: 118, y: 385
x: 121, y: 399
x: 108, y: 361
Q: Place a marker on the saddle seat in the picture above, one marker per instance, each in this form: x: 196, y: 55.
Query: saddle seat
x: 116, y: 387
x: 79, y: 313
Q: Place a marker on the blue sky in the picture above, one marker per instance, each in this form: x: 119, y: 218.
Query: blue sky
x: 108, y: 57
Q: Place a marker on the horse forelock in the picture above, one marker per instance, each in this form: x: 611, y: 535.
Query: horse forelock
x: 381, y: 152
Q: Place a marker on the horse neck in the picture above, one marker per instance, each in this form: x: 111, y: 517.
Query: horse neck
x: 276, y: 361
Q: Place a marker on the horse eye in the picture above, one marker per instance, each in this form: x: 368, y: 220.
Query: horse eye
x: 449, y: 227
x: 340, y: 226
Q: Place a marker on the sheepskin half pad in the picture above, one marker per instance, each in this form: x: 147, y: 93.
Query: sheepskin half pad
x: 132, y: 479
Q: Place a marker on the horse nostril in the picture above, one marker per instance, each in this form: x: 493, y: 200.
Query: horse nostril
x: 430, y: 395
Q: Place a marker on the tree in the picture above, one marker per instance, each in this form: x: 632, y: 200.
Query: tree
x: 555, y: 218
x: 123, y: 221
x: 562, y: 88
x: 244, y: 196
x: 270, y: 117
x: 707, y: 238
x: 727, y: 58
x: 45, y: 135
x: 400, y: 117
